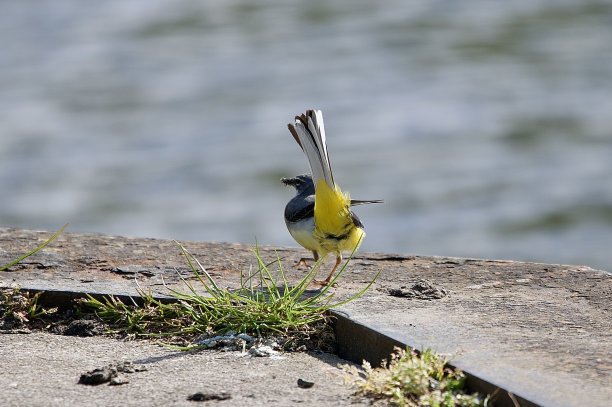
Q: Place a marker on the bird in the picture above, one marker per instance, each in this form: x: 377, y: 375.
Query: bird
x: 319, y: 217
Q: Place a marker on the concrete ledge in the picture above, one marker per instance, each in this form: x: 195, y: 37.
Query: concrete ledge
x: 541, y: 332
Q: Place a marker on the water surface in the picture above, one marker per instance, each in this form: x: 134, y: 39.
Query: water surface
x: 485, y: 127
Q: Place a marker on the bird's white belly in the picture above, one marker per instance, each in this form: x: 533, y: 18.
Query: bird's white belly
x: 303, y: 233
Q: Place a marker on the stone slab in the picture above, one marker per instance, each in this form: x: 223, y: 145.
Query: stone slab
x: 42, y: 369
x: 542, y: 332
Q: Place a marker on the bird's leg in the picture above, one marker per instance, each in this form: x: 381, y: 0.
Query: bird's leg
x: 328, y: 279
x: 302, y: 261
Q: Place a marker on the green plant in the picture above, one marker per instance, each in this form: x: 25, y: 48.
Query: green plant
x: 18, y: 307
x: 152, y: 317
x: 35, y: 250
x: 415, y: 379
x: 262, y: 305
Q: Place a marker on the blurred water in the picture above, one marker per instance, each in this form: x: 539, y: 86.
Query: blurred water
x: 485, y: 126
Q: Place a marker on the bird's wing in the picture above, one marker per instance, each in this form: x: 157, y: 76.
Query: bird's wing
x: 296, y: 213
x: 309, y: 132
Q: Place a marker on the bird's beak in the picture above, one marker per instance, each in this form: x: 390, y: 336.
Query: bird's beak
x: 289, y: 181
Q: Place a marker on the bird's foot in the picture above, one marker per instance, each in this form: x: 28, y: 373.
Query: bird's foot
x: 302, y: 262
x: 324, y: 283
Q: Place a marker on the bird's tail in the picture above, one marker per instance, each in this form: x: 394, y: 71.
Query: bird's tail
x: 309, y: 133
x: 331, y: 204
x: 363, y: 202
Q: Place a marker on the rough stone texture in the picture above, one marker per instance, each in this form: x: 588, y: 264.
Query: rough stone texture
x: 42, y: 369
x: 540, y: 331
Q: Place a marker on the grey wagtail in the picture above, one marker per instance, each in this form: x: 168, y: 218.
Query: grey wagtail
x: 319, y: 216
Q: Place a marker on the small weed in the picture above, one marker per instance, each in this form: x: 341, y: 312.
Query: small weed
x: 153, y: 317
x: 263, y: 305
x: 19, y: 307
x: 412, y: 379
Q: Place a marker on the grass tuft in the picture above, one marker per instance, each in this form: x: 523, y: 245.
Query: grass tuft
x: 415, y: 379
x: 19, y: 307
x: 263, y: 305
x: 150, y: 318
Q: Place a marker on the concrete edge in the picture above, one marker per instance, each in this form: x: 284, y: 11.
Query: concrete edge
x: 358, y: 342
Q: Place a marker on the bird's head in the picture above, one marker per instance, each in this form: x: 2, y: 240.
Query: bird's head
x: 302, y: 184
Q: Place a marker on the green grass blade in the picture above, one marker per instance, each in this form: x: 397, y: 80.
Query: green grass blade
x: 359, y: 294
x: 35, y: 250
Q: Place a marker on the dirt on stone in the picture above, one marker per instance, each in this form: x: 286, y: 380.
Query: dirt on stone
x: 113, y: 374
x: 199, y: 396
x: 420, y: 290
x: 79, y: 327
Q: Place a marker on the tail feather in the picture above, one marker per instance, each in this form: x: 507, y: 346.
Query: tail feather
x: 367, y: 201
x: 309, y: 133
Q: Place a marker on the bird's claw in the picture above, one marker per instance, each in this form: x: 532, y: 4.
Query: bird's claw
x: 302, y: 262
x: 324, y: 283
